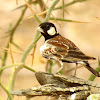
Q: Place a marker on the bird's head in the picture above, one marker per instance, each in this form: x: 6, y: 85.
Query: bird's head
x: 48, y: 30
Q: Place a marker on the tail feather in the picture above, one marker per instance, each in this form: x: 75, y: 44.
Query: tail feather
x: 91, y: 69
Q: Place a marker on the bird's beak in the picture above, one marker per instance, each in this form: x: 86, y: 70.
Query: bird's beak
x: 39, y: 29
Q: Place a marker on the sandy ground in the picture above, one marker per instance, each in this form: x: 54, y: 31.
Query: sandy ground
x: 85, y: 35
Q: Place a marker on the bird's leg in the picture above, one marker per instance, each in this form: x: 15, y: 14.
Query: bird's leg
x: 75, y: 69
x: 60, y: 68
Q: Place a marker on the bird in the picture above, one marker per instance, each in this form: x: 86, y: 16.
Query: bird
x: 59, y: 48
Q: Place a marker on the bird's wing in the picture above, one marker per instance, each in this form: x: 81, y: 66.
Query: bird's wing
x: 77, y: 54
x: 66, y: 50
x: 70, y: 55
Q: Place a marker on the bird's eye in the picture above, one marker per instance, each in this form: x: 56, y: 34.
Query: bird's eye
x: 47, y: 26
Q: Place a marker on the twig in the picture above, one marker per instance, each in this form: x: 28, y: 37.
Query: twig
x: 69, y: 4
x: 33, y: 55
x: 63, y: 8
x: 42, y: 4
x: 20, y: 64
x: 67, y: 20
x: 32, y: 11
x: 11, y: 53
x: 7, y: 50
x: 8, y: 93
x: 29, y: 68
x: 40, y: 14
x: 58, y: 19
x: 12, y: 34
x: 8, y: 66
x: 50, y: 10
x: 17, y: 46
x: 24, y: 5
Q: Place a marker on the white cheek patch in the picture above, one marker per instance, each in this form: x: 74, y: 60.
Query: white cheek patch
x: 51, y: 31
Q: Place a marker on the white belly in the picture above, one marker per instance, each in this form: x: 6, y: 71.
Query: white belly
x: 44, y: 48
x: 47, y: 51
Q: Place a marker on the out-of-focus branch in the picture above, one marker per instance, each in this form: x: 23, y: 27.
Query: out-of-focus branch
x: 69, y: 4
x: 67, y: 20
x: 24, y: 5
x: 32, y: 11
x: 9, y: 95
x: 8, y: 66
x: 12, y: 34
x: 41, y: 3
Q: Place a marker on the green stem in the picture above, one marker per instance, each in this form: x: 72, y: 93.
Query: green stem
x: 29, y: 68
x: 69, y: 4
x: 8, y: 66
x: 9, y: 95
x: 17, y: 24
x: 37, y: 18
x: 5, y: 57
x: 66, y: 20
x: 63, y: 7
x: 60, y: 19
x: 17, y: 46
x: 12, y: 80
x: 50, y: 10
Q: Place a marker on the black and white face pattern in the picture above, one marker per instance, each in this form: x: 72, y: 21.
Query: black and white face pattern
x: 47, y: 29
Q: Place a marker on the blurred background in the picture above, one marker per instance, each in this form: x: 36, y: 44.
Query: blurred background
x: 85, y: 35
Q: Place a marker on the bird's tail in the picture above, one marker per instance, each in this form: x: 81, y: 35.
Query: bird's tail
x: 91, y: 69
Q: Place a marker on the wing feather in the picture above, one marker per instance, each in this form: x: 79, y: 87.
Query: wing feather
x: 64, y: 49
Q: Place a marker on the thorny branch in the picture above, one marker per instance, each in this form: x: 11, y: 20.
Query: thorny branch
x: 12, y: 34
x: 61, y: 87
